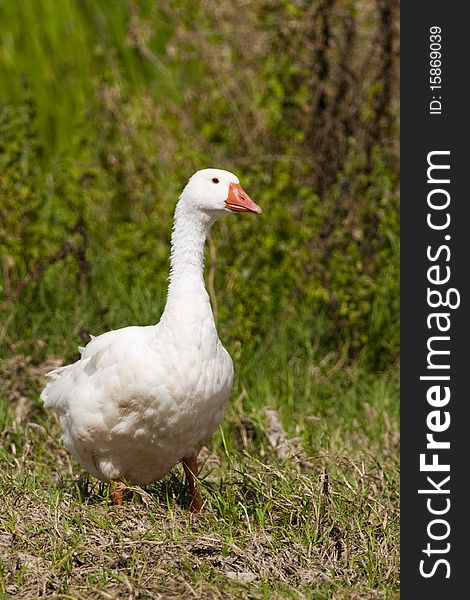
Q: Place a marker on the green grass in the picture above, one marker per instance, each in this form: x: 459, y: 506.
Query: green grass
x: 106, y: 108
x: 315, y: 516
x: 72, y: 44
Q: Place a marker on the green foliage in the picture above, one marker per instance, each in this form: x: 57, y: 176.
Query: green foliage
x: 86, y: 215
x: 106, y: 109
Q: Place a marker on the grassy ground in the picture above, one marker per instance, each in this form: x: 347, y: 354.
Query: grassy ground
x: 295, y: 506
x: 105, y: 110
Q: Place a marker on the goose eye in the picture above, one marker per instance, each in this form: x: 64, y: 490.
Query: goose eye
x: 215, y: 180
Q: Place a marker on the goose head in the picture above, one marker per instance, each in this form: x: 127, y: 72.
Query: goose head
x: 217, y: 193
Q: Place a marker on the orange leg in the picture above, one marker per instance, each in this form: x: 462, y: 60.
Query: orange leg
x: 191, y: 471
x: 117, y: 491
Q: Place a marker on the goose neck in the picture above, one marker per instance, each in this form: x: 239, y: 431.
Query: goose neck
x: 190, y: 230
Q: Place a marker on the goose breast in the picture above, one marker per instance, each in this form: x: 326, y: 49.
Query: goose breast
x: 141, y: 401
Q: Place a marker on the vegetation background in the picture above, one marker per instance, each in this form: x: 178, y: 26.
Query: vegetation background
x: 106, y: 109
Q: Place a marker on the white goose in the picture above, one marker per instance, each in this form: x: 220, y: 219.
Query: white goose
x: 141, y: 399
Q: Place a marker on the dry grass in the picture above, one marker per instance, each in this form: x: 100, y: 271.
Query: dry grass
x: 276, y: 524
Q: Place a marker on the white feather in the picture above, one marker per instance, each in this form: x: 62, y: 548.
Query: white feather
x: 140, y: 399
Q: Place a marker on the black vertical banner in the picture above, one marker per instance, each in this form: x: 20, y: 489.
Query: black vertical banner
x: 435, y: 422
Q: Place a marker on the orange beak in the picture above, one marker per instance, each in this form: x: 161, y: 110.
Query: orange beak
x: 239, y: 201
